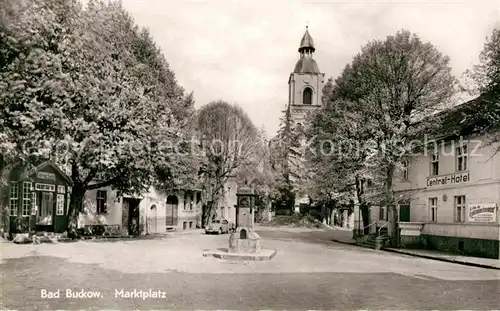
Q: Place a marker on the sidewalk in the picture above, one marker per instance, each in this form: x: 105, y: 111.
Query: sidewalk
x: 342, y: 235
x: 463, y: 260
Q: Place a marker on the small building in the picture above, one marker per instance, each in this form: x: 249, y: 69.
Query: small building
x: 150, y: 212
x: 37, y: 200
x: 227, y: 204
x: 452, y: 189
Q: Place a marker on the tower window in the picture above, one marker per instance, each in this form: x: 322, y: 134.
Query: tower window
x: 307, y: 96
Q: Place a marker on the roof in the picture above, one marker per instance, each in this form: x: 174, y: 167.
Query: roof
x: 56, y: 168
x: 477, y: 116
x: 307, y: 42
x: 306, y: 65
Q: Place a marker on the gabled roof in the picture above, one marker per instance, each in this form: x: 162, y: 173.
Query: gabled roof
x: 56, y: 168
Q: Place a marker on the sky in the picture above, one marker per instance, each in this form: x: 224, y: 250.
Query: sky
x: 244, y: 51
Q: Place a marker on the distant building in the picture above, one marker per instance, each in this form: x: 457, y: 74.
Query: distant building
x: 227, y: 204
x: 305, y: 90
x: 305, y: 83
x: 448, y: 196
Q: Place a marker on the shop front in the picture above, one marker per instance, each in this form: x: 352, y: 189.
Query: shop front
x: 38, y: 201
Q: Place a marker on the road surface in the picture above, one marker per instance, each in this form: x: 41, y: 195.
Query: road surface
x: 309, y: 272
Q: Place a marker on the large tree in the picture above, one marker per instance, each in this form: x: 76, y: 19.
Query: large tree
x: 230, y: 142
x: 390, y: 84
x: 94, y: 88
x: 340, y: 157
x: 287, y: 162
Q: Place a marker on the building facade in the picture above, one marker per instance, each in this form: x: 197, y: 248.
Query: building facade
x: 448, y: 195
x: 151, y: 212
x: 36, y: 201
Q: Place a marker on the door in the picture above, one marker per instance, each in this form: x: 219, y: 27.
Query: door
x: 153, y: 219
x: 125, y: 216
x: 46, y: 211
x: 171, y: 211
x: 404, y: 213
x: 130, y: 216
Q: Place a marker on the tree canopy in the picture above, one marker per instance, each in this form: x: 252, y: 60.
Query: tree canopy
x: 92, y: 87
x: 373, y: 106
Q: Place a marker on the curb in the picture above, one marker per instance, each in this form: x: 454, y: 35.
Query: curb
x: 344, y: 242
x: 465, y: 263
x: 243, y: 256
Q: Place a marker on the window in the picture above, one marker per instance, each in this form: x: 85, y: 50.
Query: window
x: 307, y: 96
x: 60, y: 204
x: 435, y: 164
x: 186, y: 201
x: 461, y: 158
x: 60, y: 189
x: 192, y: 202
x: 14, y: 197
x: 460, y: 208
x: 222, y: 212
x: 405, y: 170
x: 33, y: 203
x: 26, y: 198
x: 190, y: 224
x: 433, y: 209
x: 184, y: 225
x: 101, y: 201
x: 45, y: 187
x: 382, y: 213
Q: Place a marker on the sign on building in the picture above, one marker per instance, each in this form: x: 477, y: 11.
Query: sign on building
x: 449, y: 179
x: 46, y: 175
x: 482, y: 212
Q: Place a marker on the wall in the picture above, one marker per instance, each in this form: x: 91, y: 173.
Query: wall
x: 153, y: 219
x: 299, y: 81
x: 90, y: 216
x: 185, y: 214
x: 228, y: 201
x: 474, y: 231
x: 481, y: 186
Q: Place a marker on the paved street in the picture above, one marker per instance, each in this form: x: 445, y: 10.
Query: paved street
x: 309, y: 272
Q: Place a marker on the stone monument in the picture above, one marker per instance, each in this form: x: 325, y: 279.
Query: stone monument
x: 244, y: 239
x: 244, y: 242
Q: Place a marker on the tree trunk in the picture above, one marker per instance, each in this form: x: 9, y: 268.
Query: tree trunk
x: 363, y: 206
x: 391, y: 206
x: 365, y: 214
x: 75, y: 206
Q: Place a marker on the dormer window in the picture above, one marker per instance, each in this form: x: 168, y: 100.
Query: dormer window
x: 307, y: 96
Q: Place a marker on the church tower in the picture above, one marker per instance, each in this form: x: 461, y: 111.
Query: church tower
x: 305, y: 85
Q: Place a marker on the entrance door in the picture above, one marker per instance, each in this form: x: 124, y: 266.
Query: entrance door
x: 45, y: 213
x: 171, y: 212
x: 404, y: 212
x: 153, y: 219
x: 130, y: 216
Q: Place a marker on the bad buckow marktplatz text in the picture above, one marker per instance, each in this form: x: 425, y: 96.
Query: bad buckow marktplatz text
x: 70, y: 293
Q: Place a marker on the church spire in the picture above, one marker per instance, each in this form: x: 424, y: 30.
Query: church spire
x: 307, y: 42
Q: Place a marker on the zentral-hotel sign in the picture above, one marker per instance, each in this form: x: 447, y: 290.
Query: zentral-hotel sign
x: 450, y: 179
